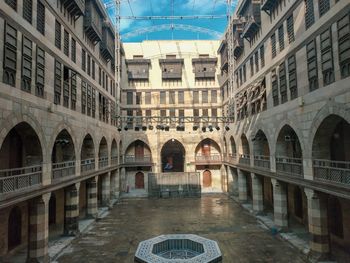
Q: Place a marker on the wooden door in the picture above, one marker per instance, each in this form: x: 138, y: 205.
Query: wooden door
x: 139, y: 181
x: 206, y: 178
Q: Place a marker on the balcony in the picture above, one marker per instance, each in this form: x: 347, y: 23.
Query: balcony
x: 268, y: 6
x: 223, y: 55
x: 93, y: 20
x: 238, y: 46
x: 204, y: 67
x: 114, y: 160
x: 107, y: 46
x: 171, y: 68
x: 61, y: 170
x: 244, y: 159
x: 251, y: 27
x: 262, y: 161
x: 133, y: 160
x: 208, y: 159
x: 329, y: 171
x: 103, y: 162
x: 138, y: 69
x: 75, y: 7
x: 290, y: 166
x: 87, y: 165
x: 12, y: 180
x: 232, y: 158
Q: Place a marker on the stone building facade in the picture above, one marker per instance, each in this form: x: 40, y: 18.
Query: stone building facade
x: 58, y: 136
x: 288, y: 144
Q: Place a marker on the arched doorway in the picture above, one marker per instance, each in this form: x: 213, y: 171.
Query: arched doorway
x: 103, y: 153
x: 139, y: 180
x: 87, y: 154
x: 207, y: 180
x: 173, y: 156
x: 14, y: 228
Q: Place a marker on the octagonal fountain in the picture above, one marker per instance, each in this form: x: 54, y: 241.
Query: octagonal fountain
x: 184, y: 248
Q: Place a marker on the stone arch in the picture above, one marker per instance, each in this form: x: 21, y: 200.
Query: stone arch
x: 245, y: 146
x: 63, y: 148
x: 87, y: 149
x: 139, y: 148
x: 261, y: 144
x: 288, y: 143
x: 103, y: 147
x: 173, y: 156
x: 233, y: 146
x: 114, y: 148
x: 206, y: 146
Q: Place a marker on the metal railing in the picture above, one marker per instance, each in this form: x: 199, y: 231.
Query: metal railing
x: 87, y: 165
x: 114, y: 160
x: 212, y: 158
x: 63, y: 169
x: 132, y: 159
x: 332, y: 171
x: 291, y: 166
x: 262, y: 161
x: 244, y: 159
x: 103, y: 161
x: 15, y: 179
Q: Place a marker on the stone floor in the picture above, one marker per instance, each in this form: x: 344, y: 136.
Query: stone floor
x: 239, y: 235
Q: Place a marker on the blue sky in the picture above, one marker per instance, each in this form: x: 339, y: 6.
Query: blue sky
x: 163, y: 8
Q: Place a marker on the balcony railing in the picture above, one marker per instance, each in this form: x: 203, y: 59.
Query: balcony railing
x: 207, y: 159
x: 87, y: 165
x: 64, y: 169
x: 75, y: 7
x: 290, y: 166
x: 251, y: 27
x: 232, y: 158
x: 16, y: 179
x: 114, y: 160
x: 103, y: 162
x: 262, y: 161
x: 332, y: 171
x: 244, y: 159
x: 132, y: 159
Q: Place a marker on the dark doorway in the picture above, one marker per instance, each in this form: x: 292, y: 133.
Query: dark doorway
x: 139, y: 180
x: 207, y: 178
x: 298, y: 203
x: 173, y: 156
x: 52, y: 209
x: 14, y: 228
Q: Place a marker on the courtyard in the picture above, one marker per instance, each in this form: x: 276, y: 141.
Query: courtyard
x: 240, y: 237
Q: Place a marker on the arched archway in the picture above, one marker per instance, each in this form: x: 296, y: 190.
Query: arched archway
x: 261, y: 150
x: 208, y: 151
x: 139, y: 180
x: 173, y: 156
x: 233, y: 147
x: 103, y: 153
x: 14, y: 234
x: 207, y: 179
x: 288, y: 152
x: 244, y: 157
x: 114, y: 153
x: 87, y: 154
x: 331, y: 150
x: 138, y: 151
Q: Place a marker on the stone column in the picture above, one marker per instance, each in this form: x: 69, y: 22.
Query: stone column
x: 257, y: 185
x: 71, y: 208
x: 106, y: 188
x: 38, y: 230
x: 280, y: 206
x: 242, y: 186
x: 318, y: 224
x: 91, y: 189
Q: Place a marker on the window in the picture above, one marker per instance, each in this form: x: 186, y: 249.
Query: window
x: 148, y: 99
x: 93, y: 69
x: 292, y: 77
x: 327, y: 57
x: 162, y: 97
x: 93, y: 102
x: 138, y: 98
x: 344, y: 46
x: 10, y: 55
x: 214, y: 96
x: 273, y: 46
x: 274, y: 82
x: 58, y: 82
x: 40, y: 72
x: 129, y: 98
x: 12, y: 3
x: 40, y: 20
x: 66, y: 43
x: 27, y: 50
x: 281, y: 37
x: 195, y: 97
x: 312, y: 65
x: 205, y: 113
x: 99, y: 76
x: 73, y: 92
x: 262, y: 56
x: 58, y: 34
x: 74, y: 50
x: 309, y: 13
x: 283, y: 82
x: 88, y: 62
x: 181, y: 116
x: 28, y: 10
x: 66, y: 87
x: 244, y: 73
x: 256, y: 61
x: 290, y: 29
x: 251, y: 66
x: 83, y: 97
x: 180, y: 97
x: 323, y: 6
x: 204, y: 96
x: 83, y: 59
x: 89, y: 100
x: 240, y: 79
x: 196, y: 116
x: 171, y: 97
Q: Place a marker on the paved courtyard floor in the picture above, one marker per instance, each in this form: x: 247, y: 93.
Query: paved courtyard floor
x: 240, y: 237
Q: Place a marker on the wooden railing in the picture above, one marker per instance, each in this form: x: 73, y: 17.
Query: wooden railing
x: 262, y: 161
x: 132, y: 159
x: 87, y: 165
x: 212, y: 158
x: 290, y: 166
x: 332, y: 171
x: 63, y: 169
x: 103, y: 162
x: 16, y: 179
x: 244, y: 159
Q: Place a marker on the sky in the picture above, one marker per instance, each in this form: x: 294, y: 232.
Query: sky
x: 164, y: 8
